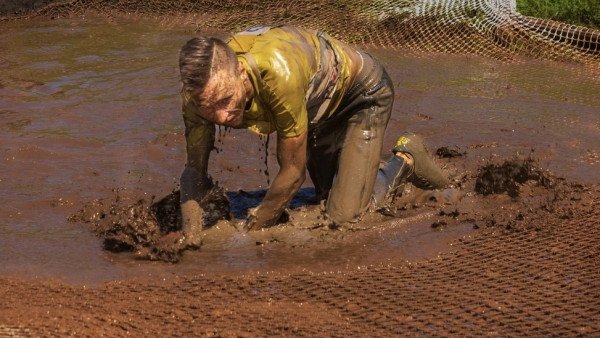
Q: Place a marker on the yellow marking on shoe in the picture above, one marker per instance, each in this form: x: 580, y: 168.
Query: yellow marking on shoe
x: 402, y: 141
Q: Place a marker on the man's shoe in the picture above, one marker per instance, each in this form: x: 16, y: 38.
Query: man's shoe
x: 426, y: 174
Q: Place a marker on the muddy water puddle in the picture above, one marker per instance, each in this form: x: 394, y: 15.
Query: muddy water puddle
x: 88, y: 106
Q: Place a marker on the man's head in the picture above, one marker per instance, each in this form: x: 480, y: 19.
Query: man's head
x: 214, y: 79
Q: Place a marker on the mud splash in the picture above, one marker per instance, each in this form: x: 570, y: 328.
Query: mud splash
x: 509, y: 195
x: 149, y: 229
x: 508, y: 176
x: 518, y: 194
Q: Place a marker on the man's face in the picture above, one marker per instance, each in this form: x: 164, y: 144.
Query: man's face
x: 223, y: 99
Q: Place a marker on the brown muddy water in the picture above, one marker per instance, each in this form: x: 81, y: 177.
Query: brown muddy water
x: 91, y: 106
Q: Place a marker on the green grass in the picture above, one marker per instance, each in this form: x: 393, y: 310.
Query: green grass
x: 577, y: 12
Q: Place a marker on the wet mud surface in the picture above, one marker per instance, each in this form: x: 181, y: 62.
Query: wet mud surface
x: 92, y: 149
x: 152, y: 229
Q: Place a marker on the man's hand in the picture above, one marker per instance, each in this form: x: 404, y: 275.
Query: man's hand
x: 291, y: 156
x: 192, y: 239
x: 254, y: 223
x: 194, y: 186
x: 179, y: 241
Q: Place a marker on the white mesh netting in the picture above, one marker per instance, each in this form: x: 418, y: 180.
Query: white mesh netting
x: 484, y: 27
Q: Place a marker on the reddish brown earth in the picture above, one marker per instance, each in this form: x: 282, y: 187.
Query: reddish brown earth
x: 91, y: 149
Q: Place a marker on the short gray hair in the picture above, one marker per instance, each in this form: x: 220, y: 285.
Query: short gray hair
x: 200, y: 57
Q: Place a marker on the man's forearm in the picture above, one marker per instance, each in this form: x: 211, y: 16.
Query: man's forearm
x: 291, y: 156
x: 282, y: 190
x: 195, y: 182
x: 194, y: 186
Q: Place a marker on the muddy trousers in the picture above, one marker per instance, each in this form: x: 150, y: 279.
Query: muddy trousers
x: 344, y: 152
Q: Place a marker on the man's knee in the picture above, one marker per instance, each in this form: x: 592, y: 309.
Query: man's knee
x: 340, y: 214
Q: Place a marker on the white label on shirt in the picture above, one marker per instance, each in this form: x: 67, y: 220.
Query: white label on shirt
x: 255, y: 30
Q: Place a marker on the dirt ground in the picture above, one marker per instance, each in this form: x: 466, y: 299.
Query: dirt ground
x: 523, y: 273
x: 510, y: 249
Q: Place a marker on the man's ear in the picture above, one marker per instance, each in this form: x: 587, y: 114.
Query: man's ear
x: 240, y: 68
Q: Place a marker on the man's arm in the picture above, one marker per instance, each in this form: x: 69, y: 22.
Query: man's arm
x: 291, y: 156
x: 195, y: 181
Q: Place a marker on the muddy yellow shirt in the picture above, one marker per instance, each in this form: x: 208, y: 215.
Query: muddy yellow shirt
x: 299, y: 78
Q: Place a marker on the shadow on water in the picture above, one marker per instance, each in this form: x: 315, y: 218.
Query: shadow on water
x: 242, y: 201
x: 237, y: 204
